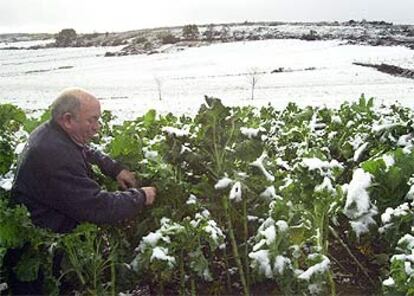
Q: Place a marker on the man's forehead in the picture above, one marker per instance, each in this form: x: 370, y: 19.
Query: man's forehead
x: 88, y: 101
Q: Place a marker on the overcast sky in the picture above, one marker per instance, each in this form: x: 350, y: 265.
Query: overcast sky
x: 120, y: 15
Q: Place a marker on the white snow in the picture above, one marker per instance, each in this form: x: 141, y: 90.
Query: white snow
x: 151, y: 155
x: 405, y: 140
x: 19, y: 148
x: 236, y: 192
x: 403, y: 257
x: 6, y: 181
x: 336, y: 119
x: 173, y: 131
x: 314, y: 124
x: 410, y: 193
x: 357, y: 199
x: 185, y: 149
x: 326, y: 185
x: 6, y: 184
x: 252, y: 218
x: 407, y: 268
x: 315, y: 288
x: 126, y: 85
x: 361, y: 224
x: 315, y: 163
x: 357, y: 141
x: 191, y: 200
x: 262, y: 260
x: 385, y: 126
x: 152, y: 238
x: 205, y: 213
x: 251, y: 132
x: 288, y: 181
x: 389, y: 282
x: 259, y: 164
x: 284, y: 164
x: 282, y: 225
x: 281, y: 263
x: 161, y: 253
x: 401, y: 210
x: 269, y: 233
x: 321, y: 267
x: 3, y: 286
x: 389, y: 160
x: 215, y: 232
x: 223, y: 183
x: 269, y: 193
x: 26, y: 43
x: 207, y: 275
x: 408, y: 240
x: 358, y: 206
x: 359, y: 151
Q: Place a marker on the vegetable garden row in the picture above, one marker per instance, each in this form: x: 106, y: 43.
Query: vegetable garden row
x: 296, y: 201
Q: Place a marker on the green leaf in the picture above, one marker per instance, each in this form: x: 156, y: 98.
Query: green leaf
x: 149, y: 118
x: 28, y: 267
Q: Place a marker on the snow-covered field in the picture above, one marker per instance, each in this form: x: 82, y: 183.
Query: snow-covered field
x: 315, y: 73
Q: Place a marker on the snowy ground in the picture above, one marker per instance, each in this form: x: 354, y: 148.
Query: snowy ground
x: 128, y: 85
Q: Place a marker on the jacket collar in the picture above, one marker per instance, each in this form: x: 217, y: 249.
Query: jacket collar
x: 60, y: 130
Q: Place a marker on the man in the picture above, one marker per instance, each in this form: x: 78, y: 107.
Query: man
x: 54, y: 177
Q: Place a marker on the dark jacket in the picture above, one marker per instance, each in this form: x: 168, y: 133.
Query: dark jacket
x: 54, y: 181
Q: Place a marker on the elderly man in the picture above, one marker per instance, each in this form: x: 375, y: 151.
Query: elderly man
x: 54, y: 176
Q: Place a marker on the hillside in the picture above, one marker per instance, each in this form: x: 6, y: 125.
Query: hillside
x: 167, y: 39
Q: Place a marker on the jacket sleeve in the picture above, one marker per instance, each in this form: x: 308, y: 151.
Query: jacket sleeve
x: 71, y: 191
x: 107, y: 165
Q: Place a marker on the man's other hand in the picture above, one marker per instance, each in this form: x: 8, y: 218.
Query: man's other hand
x: 150, y: 193
x: 126, y: 179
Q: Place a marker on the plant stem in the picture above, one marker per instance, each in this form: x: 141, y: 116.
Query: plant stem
x: 216, y: 150
x: 364, y: 271
x: 323, y: 225
x: 226, y: 264
x: 246, y: 245
x: 193, y: 287
x: 113, y: 273
x: 234, y: 247
x: 182, y: 274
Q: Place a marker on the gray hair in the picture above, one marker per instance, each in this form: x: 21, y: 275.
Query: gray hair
x: 67, y: 102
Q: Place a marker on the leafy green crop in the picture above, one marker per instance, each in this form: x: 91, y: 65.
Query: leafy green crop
x: 246, y: 197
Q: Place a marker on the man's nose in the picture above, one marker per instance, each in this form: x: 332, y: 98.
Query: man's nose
x: 96, y: 127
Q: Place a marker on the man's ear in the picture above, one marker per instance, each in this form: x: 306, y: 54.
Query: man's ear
x: 67, y: 120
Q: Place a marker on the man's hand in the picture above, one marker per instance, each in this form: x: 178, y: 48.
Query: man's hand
x: 150, y: 193
x: 126, y: 179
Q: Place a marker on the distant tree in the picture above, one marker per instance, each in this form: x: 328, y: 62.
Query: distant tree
x: 118, y: 41
x: 139, y: 40
x: 167, y: 38
x: 91, y: 36
x: 209, y: 32
x: 253, y: 78
x: 159, y: 81
x: 148, y: 46
x: 190, y: 32
x: 66, y: 37
x: 312, y: 35
x: 225, y: 32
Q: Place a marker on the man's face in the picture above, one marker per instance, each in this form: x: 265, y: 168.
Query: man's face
x: 86, y: 124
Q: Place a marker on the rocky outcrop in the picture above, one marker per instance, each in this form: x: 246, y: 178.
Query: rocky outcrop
x: 66, y: 38
x: 150, y: 41
x: 390, y: 69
